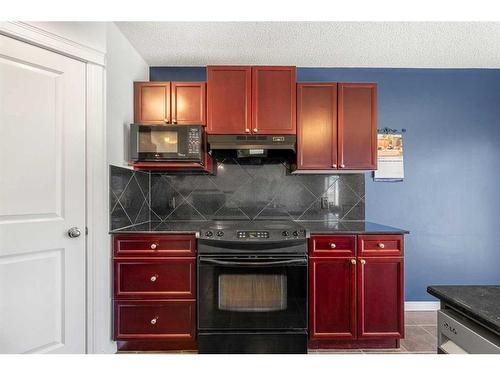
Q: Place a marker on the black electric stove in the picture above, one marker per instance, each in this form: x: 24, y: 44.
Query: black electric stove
x: 252, y: 287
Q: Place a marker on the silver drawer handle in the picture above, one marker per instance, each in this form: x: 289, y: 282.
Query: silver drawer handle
x: 333, y: 246
x: 381, y: 245
x: 154, y: 246
x: 154, y: 278
x: 154, y: 320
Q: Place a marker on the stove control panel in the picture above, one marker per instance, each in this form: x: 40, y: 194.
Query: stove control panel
x: 254, y: 234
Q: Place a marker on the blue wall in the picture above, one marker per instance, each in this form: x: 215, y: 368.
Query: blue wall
x: 450, y: 198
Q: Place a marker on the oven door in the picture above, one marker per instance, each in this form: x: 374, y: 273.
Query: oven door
x: 252, y: 293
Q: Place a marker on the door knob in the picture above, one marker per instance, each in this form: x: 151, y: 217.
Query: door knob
x: 74, y: 232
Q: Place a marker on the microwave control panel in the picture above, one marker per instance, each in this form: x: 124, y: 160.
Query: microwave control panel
x: 194, y: 141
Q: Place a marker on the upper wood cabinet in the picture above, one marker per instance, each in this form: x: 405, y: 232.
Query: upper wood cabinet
x: 251, y: 100
x: 273, y: 100
x: 180, y: 103
x: 337, y: 126
x: 317, y: 126
x: 357, y: 125
x: 229, y: 99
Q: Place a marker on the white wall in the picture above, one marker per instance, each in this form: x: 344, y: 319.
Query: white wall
x: 123, y: 66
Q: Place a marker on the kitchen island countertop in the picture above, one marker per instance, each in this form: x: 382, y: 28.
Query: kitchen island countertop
x: 479, y: 302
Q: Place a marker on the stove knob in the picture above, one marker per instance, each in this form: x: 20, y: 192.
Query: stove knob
x: 285, y: 233
x: 220, y: 233
x: 209, y: 233
x: 295, y: 233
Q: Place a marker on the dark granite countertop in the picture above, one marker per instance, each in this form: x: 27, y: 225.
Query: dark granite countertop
x: 168, y: 227
x: 313, y: 227
x: 349, y: 227
x: 480, y: 302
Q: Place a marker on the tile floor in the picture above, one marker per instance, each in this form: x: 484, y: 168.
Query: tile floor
x: 420, y: 337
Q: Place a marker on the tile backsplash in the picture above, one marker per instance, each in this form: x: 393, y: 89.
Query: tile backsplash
x: 237, y: 191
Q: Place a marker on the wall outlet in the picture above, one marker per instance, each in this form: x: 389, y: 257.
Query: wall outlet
x: 324, y: 203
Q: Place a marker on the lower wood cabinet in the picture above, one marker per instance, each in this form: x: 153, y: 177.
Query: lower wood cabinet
x: 380, y: 297
x: 332, y: 298
x: 155, y: 319
x: 355, y: 301
x: 154, y: 292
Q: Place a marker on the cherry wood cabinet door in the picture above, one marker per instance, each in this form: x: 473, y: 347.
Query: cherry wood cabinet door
x: 188, y: 103
x: 274, y: 100
x: 332, y: 298
x: 317, y: 126
x: 152, y: 103
x: 155, y: 319
x: 155, y: 278
x: 229, y: 99
x: 357, y: 126
x: 332, y: 246
x: 380, y: 297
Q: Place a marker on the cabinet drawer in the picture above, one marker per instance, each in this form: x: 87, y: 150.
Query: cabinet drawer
x: 147, y: 278
x: 332, y: 246
x: 380, y: 245
x: 164, y: 320
x: 154, y: 245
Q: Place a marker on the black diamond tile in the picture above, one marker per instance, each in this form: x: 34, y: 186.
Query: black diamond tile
x: 144, y: 213
x: 316, y: 184
x: 132, y: 199
x: 230, y: 211
x: 293, y: 198
x: 185, y: 212
x: 164, y: 198
x: 207, y: 198
x: 119, y: 218
x: 274, y: 211
x: 142, y: 179
x: 356, y: 182
x: 357, y: 212
x: 230, y: 176
x: 118, y: 179
x: 112, y: 200
x: 185, y: 184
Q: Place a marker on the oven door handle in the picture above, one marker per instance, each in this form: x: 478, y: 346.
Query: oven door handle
x: 299, y: 262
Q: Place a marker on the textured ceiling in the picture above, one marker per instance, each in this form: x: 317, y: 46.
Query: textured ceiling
x: 337, y: 44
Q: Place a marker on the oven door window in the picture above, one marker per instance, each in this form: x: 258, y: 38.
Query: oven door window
x: 252, y: 292
x: 235, y: 294
x: 165, y: 142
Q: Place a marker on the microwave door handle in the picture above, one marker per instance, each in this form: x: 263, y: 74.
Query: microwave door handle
x: 262, y: 264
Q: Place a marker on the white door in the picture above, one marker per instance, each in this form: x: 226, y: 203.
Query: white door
x: 42, y: 195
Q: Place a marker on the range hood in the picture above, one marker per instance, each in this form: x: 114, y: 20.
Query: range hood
x: 252, y: 142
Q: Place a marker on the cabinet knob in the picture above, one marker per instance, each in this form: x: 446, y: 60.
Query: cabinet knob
x: 363, y: 261
x: 333, y: 246
x: 154, y: 320
x: 154, y: 278
x: 381, y: 245
x: 353, y: 261
x: 256, y: 130
x: 334, y: 165
x: 174, y: 121
x: 247, y: 130
x: 342, y: 165
x: 166, y: 121
x: 154, y: 246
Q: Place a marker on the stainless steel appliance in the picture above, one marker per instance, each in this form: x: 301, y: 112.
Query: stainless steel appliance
x: 166, y: 143
x: 460, y: 335
x: 252, y: 287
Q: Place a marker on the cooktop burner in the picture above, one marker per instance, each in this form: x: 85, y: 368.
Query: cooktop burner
x: 257, y: 230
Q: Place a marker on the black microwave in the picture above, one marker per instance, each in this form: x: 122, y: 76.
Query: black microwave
x: 166, y: 143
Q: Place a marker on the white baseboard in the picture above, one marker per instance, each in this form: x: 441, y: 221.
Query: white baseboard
x: 421, y: 305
